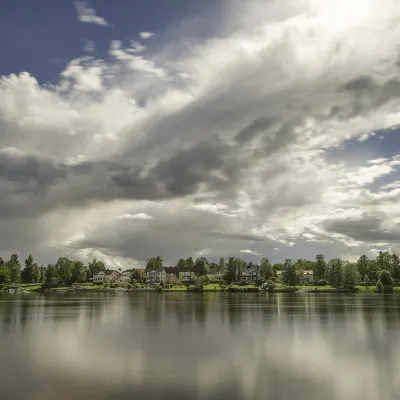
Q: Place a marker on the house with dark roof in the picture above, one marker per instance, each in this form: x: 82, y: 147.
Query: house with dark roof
x: 175, y: 274
x: 214, y: 276
x: 248, y: 273
x: 170, y: 275
x: 156, y: 276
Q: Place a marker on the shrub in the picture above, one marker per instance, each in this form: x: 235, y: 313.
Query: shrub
x: 271, y: 285
x: 321, y: 282
x: 242, y: 283
x: 385, y: 282
x: 129, y: 286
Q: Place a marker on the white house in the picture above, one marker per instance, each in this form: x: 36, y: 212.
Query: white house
x: 127, y: 273
x: 156, y: 276
x: 308, y: 276
x: 112, y: 275
x: 122, y: 280
x: 214, y: 276
x: 99, y: 277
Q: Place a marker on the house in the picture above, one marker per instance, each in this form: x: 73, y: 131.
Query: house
x: 248, y: 274
x: 170, y: 275
x: 156, y: 276
x: 186, y: 275
x: 127, y: 272
x: 175, y: 274
x: 214, y: 276
x: 308, y: 276
x: 122, y: 280
x: 112, y: 275
x: 99, y: 277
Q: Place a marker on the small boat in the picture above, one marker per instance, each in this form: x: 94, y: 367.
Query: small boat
x: 120, y: 289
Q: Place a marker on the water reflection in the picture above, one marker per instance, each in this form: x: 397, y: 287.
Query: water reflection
x: 209, y: 346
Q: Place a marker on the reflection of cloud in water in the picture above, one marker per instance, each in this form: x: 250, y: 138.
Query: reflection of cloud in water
x: 279, y: 348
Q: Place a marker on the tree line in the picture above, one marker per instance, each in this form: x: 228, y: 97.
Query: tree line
x: 335, y: 272
x: 63, y: 271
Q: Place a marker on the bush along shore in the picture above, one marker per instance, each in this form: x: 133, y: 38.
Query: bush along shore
x: 379, y: 275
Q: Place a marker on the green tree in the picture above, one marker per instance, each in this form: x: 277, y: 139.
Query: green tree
x: 319, y: 267
x: 182, y: 263
x: 363, y: 265
x: 383, y: 261
x: 190, y: 262
x: 43, y: 272
x: 51, y: 274
x: 27, y: 272
x: 231, y: 270
x: 277, y: 267
x: 78, y: 271
x: 396, y: 267
x: 385, y: 282
x: 36, y: 273
x: 373, y: 270
x: 366, y: 280
x: 15, y: 268
x: 221, y: 266
x: 154, y: 263
x: 200, y: 266
x: 266, y: 272
x: 334, y: 272
x: 289, y: 273
x: 137, y: 275
x: 64, y: 267
x: 350, y: 275
x: 5, y: 274
x: 95, y: 267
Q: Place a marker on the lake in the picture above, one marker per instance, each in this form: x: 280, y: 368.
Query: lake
x: 199, y: 346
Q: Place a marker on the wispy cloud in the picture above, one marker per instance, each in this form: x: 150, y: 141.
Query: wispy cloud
x: 142, y: 216
x: 87, y: 14
x: 248, y: 251
x: 146, y: 35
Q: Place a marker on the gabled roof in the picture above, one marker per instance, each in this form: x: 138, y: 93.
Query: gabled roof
x: 176, y: 270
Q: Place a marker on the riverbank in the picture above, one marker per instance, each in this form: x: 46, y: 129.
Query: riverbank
x: 209, y: 288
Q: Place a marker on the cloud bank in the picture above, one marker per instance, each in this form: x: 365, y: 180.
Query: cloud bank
x: 210, y: 146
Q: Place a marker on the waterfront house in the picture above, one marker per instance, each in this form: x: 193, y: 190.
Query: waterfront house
x: 99, y: 277
x: 308, y: 276
x: 156, y: 276
x: 112, y: 275
x: 214, y: 276
x: 170, y: 275
x: 248, y: 273
x: 175, y: 274
x: 127, y: 272
x: 123, y: 280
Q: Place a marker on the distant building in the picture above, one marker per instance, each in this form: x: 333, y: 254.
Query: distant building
x: 308, y: 276
x: 248, y: 274
x: 214, y: 276
x: 156, y: 276
x: 170, y: 275
x: 99, y: 277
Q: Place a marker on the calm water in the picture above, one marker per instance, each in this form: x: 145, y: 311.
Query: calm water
x: 193, y: 346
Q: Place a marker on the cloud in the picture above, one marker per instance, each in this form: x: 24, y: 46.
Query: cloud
x: 88, y: 15
x: 146, y: 35
x: 248, y: 251
x: 228, y: 142
x: 142, y: 216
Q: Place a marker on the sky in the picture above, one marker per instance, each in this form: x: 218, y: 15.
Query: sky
x: 189, y: 128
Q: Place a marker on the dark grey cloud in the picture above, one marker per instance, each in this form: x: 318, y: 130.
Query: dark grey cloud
x: 366, y: 228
